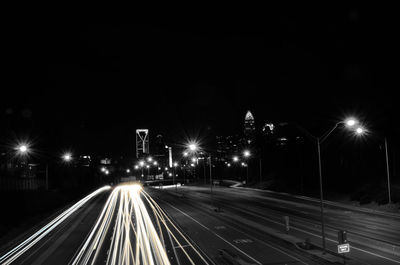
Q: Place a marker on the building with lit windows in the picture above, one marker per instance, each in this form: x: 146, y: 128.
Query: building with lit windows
x: 249, y: 128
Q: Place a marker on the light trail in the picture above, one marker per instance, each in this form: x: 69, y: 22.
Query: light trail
x: 24, y: 246
x: 136, y: 234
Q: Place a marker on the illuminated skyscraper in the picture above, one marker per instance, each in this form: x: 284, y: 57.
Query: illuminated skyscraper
x: 249, y: 128
x: 142, y: 142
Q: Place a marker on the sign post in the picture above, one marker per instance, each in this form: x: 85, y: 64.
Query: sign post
x: 343, y: 246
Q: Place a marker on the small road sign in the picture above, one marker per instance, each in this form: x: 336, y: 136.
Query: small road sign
x: 343, y: 248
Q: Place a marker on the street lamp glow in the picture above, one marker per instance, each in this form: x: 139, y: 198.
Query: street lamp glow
x: 351, y: 122
x: 136, y: 167
x: 229, y: 164
x: 192, y: 147
x: 194, y: 159
x: 155, y: 163
x: 107, y: 172
x: 128, y: 170
x: 360, y: 131
x: 23, y: 149
x: 246, y: 153
x: 103, y: 169
x: 235, y: 159
x: 147, y: 166
x: 67, y: 157
x: 149, y: 159
x: 175, y: 164
x: 141, y: 163
x: 185, y: 154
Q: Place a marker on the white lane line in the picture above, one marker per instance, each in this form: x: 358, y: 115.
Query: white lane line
x: 184, y: 246
x: 232, y: 244
x: 310, y: 233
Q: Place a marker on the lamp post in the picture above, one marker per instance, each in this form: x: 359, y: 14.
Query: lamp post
x: 247, y: 154
x: 173, y: 178
x: 193, y: 147
x: 387, y: 171
x: 350, y: 123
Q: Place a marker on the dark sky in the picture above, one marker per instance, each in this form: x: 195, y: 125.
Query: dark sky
x: 89, y: 85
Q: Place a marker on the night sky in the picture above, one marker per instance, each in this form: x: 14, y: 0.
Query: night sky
x: 89, y: 85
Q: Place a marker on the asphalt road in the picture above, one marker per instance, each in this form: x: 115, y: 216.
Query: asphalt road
x: 130, y: 225
x: 248, y: 216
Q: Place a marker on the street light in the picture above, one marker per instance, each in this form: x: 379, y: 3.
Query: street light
x: 67, y: 157
x: 192, y: 147
x: 350, y: 123
x: 359, y: 130
x: 246, y: 153
x: 235, y: 159
x: 22, y: 149
x: 149, y: 159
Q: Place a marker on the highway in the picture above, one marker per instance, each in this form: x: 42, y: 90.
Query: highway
x: 128, y: 224
x: 249, y: 218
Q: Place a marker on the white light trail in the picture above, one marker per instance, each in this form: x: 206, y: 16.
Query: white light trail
x: 17, y: 251
x: 135, y: 237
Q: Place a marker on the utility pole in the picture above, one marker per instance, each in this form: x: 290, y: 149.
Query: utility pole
x: 387, y: 171
x: 321, y: 195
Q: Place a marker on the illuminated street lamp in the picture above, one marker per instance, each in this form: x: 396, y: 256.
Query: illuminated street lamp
x: 103, y: 169
x: 192, y: 147
x: 23, y: 149
x: 136, y: 167
x: 359, y: 130
x: 128, y: 170
x: 235, y: 159
x: 185, y: 154
x: 67, y: 157
x: 155, y: 163
x: 349, y: 123
x: 141, y: 163
x: 149, y: 159
x: 246, y: 153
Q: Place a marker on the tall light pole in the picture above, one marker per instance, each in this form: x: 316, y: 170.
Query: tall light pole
x: 387, y: 171
x: 247, y: 154
x: 193, y: 148
x: 350, y: 123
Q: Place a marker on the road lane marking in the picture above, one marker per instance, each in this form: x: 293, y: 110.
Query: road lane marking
x: 310, y: 233
x: 243, y: 241
x: 241, y: 251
